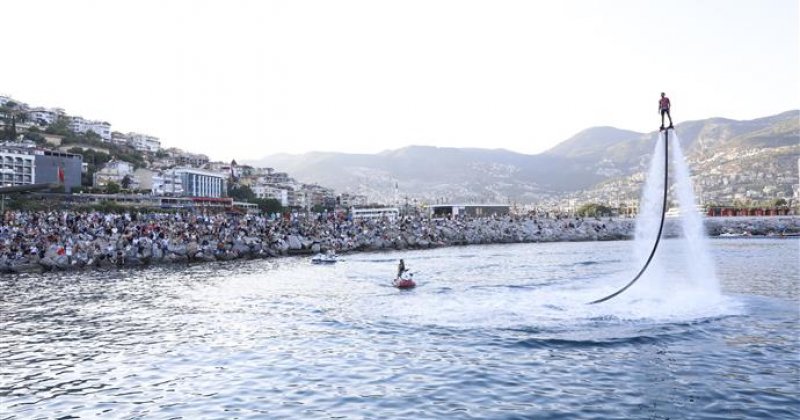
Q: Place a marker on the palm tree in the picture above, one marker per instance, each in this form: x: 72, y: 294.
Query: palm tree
x: 12, y: 113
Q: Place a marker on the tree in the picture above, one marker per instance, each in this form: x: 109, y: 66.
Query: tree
x: 59, y: 127
x: 126, y: 182
x: 777, y: 202
x: 241, y: 193
x: 12, y: 113
x: 112, y: 188
x: 594, y: 209
x: 269, y: 205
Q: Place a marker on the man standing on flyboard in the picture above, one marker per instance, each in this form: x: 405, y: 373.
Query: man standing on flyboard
x: 663, y: 108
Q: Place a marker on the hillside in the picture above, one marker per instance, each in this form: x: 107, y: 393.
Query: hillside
x: 590, y: 160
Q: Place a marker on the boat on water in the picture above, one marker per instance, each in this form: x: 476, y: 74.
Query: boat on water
x: 734, y: 235
x: 324, y: 259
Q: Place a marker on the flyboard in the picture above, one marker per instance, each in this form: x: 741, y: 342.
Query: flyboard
x: 660, y: 226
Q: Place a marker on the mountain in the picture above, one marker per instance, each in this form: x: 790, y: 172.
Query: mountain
x: 589, y: 160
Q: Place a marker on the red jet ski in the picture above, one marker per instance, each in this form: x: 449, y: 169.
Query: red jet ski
x: 404, y: 283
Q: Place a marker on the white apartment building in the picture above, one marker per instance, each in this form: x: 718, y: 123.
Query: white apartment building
x: 119, y: 138
x: 44, y: 116
x: 273, y: 192
x: 351, y: 200
x: 298, y: 198
x: 143, y: 142
x: 101, y: 128
x: 194, y: 160
x: 115, y: 171
x: 190, y: 182
x: 168, y: 183
x: 18, y: 166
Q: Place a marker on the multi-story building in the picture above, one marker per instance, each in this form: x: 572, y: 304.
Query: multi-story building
x: 21, y: 165
x: 272, y: 191
x: 318, y: 196
x: 192, y: 182
x: 143, y: 142
x: 167, y: 183
x: 119, y: 138
x: 297, y: 198
x: 352, y: 200
x: 194, y: 160
x: 18, y: 166
x: 101, y: 128
x: 57, y: 167
x: 44, y: 116
x: 115, y: 171
x: 277, y: 178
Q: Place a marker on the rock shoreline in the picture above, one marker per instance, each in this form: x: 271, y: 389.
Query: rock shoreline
x: 94, y: 240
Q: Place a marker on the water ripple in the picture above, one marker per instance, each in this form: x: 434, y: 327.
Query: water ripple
x: 509, y: 336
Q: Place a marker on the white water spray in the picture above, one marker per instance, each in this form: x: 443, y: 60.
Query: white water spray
x: 692, y: 279
x: 649, y: 218
x: 701, y: 273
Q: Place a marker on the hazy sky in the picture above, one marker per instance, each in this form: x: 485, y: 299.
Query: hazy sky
x: 243, y: 79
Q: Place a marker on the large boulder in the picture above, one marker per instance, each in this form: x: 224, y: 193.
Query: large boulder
x: 294, y: 243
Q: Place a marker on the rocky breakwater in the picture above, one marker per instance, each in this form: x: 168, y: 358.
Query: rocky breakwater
x: 45, y: 241
x: 35, y: 242
x: 774, y: 226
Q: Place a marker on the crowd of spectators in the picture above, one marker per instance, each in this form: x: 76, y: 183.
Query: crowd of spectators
x: 68, y: 239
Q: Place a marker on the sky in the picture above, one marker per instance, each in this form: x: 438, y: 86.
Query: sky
x: 245, y: 79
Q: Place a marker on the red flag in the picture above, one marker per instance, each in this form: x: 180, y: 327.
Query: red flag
x: 60, y: 174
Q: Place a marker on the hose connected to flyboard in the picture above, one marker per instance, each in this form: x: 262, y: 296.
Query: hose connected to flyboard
x: 660, y: 227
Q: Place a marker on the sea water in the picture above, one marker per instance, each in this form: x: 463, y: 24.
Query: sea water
x: 498, y: 331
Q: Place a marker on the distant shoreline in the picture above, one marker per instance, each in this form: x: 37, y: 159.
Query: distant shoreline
x: 137, y: 244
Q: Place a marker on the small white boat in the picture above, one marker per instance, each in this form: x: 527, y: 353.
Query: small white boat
x: 324, y: 259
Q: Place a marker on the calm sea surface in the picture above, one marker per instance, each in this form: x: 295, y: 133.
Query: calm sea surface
x: 498, y: 331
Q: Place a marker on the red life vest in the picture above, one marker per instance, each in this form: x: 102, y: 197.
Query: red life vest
x: 664, y: 103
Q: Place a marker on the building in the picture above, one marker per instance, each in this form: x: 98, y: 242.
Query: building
x: 115, y: 171
x: 195, y: 160
x: 297, y: 198
x: 272, y: 191
x: 143, y: 142
x: 469, y: 210
x: 101, y: 128
x: 190, y: 182
x: 318, y: 196
x: 145, y: 178
x: 119, y: 138
x: 44, y: 116
x: 18, y: 166
x: 57, y: 167
x: 390, y: 213
x: 352, y: 200
x: 167, y: 183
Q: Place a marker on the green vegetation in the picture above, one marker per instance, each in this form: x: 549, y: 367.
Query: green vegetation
x: 268, y: 205
x: 594, y: 210
x: 126, y: 182
x: 112, y: 188
x: 26, y: 202
x: 93, y: 159
x: 11, y: 114
x: 241, y: 193
x: 245, y: 193
x: 34, y: 135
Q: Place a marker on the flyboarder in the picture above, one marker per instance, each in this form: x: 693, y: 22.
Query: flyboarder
x: 663, y: 108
